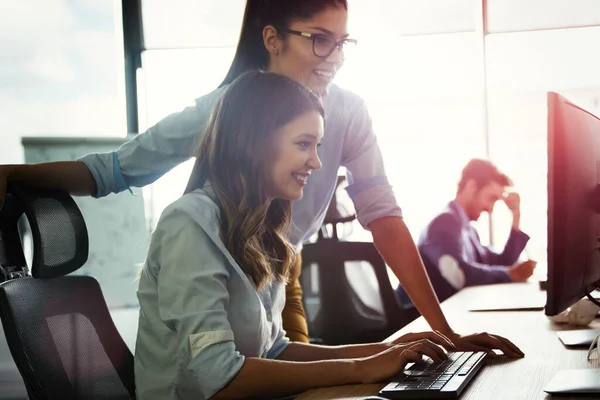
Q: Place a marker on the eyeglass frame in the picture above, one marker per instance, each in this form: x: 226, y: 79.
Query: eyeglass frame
x: 339, y: 44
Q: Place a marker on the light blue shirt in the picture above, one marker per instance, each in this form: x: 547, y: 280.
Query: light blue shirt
x: 349, y: 141
x: 200, y: 315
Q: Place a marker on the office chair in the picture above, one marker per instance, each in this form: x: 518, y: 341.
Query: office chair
x: 58, y: 328
x: 342, y: 317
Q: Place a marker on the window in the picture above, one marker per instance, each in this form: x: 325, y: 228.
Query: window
x: 386, y: 19
x: 61, y: 72
x: 522, y: 68
x: 172, y: 80
x: 424, y: 96
x: 517, y: 15
x: 62, y: 75
x: 191, y: 23
x: 190, y: 45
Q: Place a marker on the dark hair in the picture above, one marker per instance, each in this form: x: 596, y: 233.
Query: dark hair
x: 482, y: 172
x: 251, y: 52
x: 230, y: 156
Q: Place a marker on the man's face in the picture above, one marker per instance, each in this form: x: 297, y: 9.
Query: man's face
x: 482, y: 199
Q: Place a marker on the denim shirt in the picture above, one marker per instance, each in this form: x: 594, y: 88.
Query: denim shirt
x: 200, y: 314
x: 349, y: 141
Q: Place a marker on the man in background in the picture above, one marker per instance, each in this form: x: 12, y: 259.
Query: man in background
x: 450, y: 246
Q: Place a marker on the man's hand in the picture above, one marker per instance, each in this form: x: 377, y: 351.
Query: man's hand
x: 513, y: 202
x: 485, y: 342
x: 522, y: 271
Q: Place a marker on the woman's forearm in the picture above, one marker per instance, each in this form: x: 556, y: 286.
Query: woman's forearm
x: 264, y: 378
x: 393, y: 240
x: 313, y: 352
x: 72, y: 176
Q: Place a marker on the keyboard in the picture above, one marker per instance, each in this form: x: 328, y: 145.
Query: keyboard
x: 427, y: 380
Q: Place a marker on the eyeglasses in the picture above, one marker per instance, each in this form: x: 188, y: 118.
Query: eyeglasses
x: 324, y: 45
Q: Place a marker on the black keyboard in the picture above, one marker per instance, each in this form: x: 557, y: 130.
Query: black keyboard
x: 427, y: 380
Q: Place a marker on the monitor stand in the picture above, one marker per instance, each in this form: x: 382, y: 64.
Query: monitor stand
x: 575, y: 381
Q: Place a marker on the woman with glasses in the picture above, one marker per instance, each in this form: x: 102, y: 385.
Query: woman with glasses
x: 304, y: 40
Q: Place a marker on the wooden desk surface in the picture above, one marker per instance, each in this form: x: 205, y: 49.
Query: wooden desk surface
x: 499, y: 379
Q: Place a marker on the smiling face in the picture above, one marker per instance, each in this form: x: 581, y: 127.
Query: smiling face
x: 292, y: 156
x: 292, y: 55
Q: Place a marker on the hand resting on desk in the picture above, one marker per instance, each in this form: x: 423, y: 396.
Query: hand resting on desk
x: 522, y: 271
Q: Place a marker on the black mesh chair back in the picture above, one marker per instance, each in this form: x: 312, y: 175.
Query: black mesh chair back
x: 59, y: 234
x: 58, y: 328
x: 342, y: 318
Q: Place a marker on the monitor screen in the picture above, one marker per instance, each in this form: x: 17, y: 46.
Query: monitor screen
x: 573, y: 219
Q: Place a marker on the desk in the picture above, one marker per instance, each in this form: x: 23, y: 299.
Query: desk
x: 499, y: 379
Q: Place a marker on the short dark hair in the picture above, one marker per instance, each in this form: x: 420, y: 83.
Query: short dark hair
x: 483, y: 172
x: 251, y: 52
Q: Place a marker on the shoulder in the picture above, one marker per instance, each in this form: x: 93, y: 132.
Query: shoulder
x: 446, y: 219
x: 343, y: 101
x: 208, y: 101
x: 189, y: 227
x: 192, y: 211
x: 346, y: 115
x: 187, y: 240
x: 441, y: 228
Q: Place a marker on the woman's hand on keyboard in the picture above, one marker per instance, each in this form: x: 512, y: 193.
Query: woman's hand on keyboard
x: 485, y: 342
x: 392, y: 361
x: 433, y: 336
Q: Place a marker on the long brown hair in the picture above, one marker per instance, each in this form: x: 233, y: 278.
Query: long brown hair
x: 251, y: 52
x: 230, y: 157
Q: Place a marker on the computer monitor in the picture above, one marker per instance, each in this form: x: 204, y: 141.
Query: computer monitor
x: 573, y: 204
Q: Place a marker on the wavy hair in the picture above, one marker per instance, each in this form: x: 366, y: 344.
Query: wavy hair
x: 230, y: 158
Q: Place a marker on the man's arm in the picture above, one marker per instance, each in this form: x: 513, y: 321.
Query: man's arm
x: 513, y: 248
x: 444, y: 248
x: 517, y: 240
